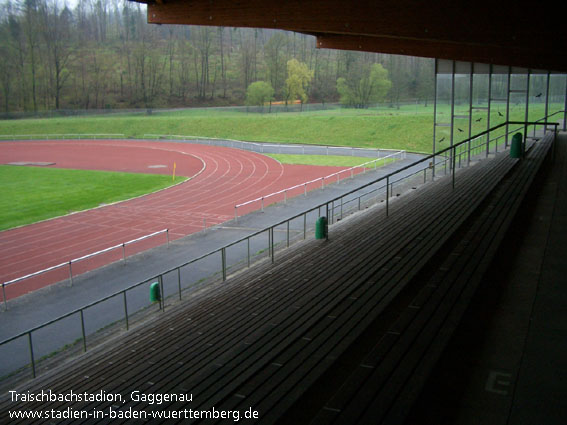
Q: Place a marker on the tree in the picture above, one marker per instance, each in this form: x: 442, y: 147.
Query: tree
x: 298, y: 78
x: 258, y: 93
x: 103, y: 53
x: 6, y: 73
x: 275, y: 60
x: 364, y: 86
x: 30, y: 23
x: 203, y: 47
x: 54, y: 28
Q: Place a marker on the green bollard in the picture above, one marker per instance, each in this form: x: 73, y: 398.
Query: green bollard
x: 517, y: 147
x: 321, y: 228
x: 155, y: 295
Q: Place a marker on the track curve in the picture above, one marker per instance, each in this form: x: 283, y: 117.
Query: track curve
x: 221, y: 178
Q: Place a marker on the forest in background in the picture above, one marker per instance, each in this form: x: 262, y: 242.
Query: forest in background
x: 102, y: 54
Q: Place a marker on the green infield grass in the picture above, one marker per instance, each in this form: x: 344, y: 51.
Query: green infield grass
x: 31, y: 194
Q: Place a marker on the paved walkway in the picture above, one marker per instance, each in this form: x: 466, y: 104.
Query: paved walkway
x: 507, y: 363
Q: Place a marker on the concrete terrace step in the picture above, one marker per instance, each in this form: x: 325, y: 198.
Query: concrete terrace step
x: 388, y: 380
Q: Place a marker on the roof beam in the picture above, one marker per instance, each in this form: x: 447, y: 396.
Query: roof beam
x: 446, y: 26
x: 496, y: 55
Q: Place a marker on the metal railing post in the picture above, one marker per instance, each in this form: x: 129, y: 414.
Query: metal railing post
x: 453, y: 165
x: 305, y: 226
x: 248, y: 250
x: 71, y: 272
x: 236, y: 213
x: 30, y: 343
x: 83, y: 331
x: 273, y: 247
x: 288, y: 233
x: 162, y: 298
x: 167, y: 236
x: 387, y: 195
x: 179, y: 281
x: 4, y: 296
x: 327, y: 232
x: 125, y: 310
x: 223, y: 260
x: 332, y: 218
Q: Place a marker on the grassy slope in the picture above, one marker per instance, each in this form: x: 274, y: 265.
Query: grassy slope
x: 410, y: 127
x: 325, y: 160
x: 30, y: 194
x: 385, y: 128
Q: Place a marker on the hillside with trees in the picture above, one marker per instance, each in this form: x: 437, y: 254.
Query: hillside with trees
x: 101, y: 54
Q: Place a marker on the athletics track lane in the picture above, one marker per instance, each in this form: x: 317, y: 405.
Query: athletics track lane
x: 223, y: 177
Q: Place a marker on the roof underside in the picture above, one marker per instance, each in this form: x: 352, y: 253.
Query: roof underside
x: 482, y: 31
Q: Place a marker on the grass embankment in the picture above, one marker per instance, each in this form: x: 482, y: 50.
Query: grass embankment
x: 372, y: 128
x: 409, y: 128
x: 31, y: 194
x: 326, y: 160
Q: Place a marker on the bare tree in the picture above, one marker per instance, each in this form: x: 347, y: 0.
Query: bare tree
x: 222, y: 65
x: 55, y: 32
x: 274, y: 53
x: 30, y: 25
x: 103, y: 52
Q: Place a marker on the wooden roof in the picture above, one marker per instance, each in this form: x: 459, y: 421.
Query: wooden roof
x: 498, y: 32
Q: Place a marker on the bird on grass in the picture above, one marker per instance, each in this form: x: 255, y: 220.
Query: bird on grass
x: 500, y: 113
x: 461, y: 130
x: 441, y: 140
x: 539, y: 95
x: 479, y: 120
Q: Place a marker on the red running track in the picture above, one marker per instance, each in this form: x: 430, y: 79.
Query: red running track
x: 222, y: 178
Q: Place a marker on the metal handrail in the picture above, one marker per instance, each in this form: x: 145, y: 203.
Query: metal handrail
x: 270, y: 230
x: 320, y: 179
x: 76, y: 260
